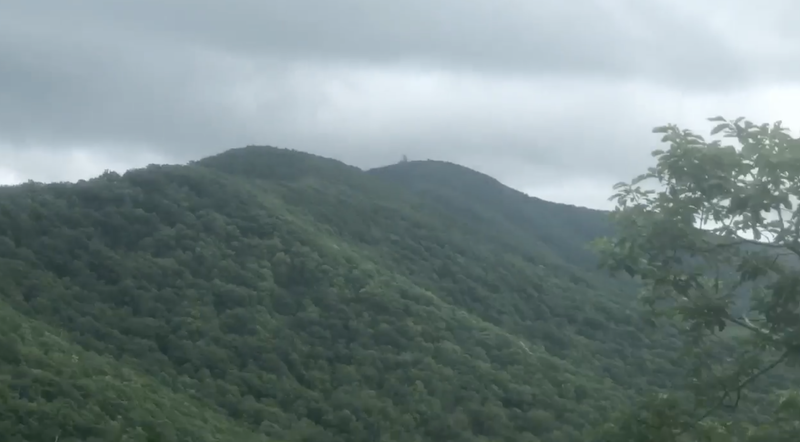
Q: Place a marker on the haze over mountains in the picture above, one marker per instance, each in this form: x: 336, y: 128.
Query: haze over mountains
x: 269, y: 294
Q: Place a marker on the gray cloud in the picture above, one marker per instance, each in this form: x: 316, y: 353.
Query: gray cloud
x: 526, y: 91
x: 618, y: 39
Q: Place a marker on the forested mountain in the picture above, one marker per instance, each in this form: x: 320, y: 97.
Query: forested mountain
x: 519, y: 221
x: 268, y: 294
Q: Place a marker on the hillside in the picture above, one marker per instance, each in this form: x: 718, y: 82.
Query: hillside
x: 520, y: 221
x: 267, y: 294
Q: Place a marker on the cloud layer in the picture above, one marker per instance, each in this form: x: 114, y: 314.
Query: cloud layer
x: 555, y: 98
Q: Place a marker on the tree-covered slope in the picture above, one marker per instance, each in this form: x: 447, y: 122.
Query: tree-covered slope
x: 519, y: 220
x: 52, y: 389
x: 279, y: 294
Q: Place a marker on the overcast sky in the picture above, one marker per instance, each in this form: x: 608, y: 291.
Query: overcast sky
x: 556, y: 98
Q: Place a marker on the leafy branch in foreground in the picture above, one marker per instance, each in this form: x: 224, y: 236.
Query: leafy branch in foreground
x: 712, y: 232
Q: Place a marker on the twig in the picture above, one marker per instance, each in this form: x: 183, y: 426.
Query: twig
x: 727, y: 393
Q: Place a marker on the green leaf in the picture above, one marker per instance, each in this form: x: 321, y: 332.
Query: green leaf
x: 704, y: 279
x: 719, y: 128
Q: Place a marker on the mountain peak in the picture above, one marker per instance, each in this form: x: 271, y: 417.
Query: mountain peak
x: 274, y: 163
x: 271, y: 291
x: 443, y: 170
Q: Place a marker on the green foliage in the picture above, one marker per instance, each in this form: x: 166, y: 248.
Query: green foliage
x: 713, y: 233
x: 52, y: 389
x: 521, y: 223
x: 264, y: 293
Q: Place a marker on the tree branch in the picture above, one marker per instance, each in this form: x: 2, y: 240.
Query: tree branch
x: 738, y: 390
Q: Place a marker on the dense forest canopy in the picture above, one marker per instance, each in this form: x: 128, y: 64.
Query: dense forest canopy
x: 268, y: 294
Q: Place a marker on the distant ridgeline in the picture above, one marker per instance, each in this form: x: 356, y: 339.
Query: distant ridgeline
x: 267, y: 294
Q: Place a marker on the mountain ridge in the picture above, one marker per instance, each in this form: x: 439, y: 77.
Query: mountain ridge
x: 296, y: 298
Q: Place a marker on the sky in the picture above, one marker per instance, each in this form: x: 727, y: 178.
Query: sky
x: 554, y: 98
